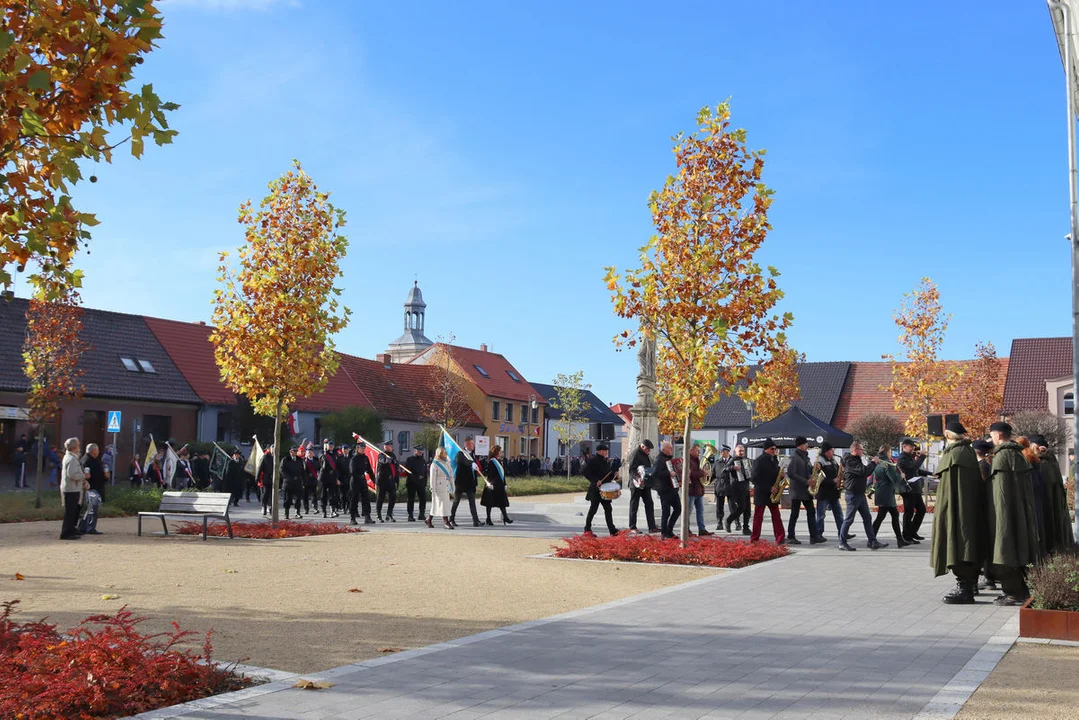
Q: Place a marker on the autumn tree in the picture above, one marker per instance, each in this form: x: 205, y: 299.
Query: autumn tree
x: 774, y: 387
x: 447, y: 403
x: 66, y: 71
x: 51, y: 353
x: 276, y: 316
x: 875, y: 430
x: 569, y: 401
x: 920, y: 382
x: 699, y: 290
x: 980, y: 394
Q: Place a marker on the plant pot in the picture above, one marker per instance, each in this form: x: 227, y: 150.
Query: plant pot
x: 1048, y: 624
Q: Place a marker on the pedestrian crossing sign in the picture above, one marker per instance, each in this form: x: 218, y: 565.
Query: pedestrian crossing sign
x: 114, y: 421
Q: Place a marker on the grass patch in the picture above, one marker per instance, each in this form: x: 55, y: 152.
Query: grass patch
x: 121, y: 502
x: 522, y: 486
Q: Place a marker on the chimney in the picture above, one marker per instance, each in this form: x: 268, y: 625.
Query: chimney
x: 385, y: 359
x: 483, y: 347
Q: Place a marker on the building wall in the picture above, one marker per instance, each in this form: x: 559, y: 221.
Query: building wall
x: 181, y: 421
x: 553, y: 449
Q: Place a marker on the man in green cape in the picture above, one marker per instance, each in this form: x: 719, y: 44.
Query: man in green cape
x: 1013, y: 529
x: 1058, y: 523
x: 959, y: 520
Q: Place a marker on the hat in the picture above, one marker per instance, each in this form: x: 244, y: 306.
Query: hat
x: 799, y: 440
x: 909, y: 441
x: 1037, y: 440
x: 388, y: 443
x: 601, y: 447
x: 237, y: 452
x: 361, y: 444
x: 648, y: 444
x: 1001, y: 426
x: 328, y: 441
x: 825, y: 447
x: 725, y: 447
x: 768, y: 443
x: 982, y: 446
x: 956, y: 427
x: 418, y: 447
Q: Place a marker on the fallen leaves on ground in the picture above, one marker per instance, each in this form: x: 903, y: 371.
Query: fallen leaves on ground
x: 354, y: 590
x: 313, y: 684
x: 266, y: 531
x: 20, y: 576
x: 389, y: 649
x: 710, y: 551
x: 110, y: 597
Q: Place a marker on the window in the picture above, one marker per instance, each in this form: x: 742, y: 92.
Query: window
x: 561, y: 449
x: 535, y: 416
x: 513, y: 376
x: 318, y: 431
x: 387, y: 436
x: 129, y: 364
x: 524, y: 446
x: 524, y: 413
x: 146, y: 366
x: 402, y: 443
x: 1069, y: 403
x: 481, y: 371
x: 509, y: 413
x: 495, y: 409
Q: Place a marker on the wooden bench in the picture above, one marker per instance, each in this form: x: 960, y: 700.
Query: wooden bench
x: 192, y: 504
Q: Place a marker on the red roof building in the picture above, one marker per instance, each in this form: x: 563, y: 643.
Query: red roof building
x: 1033, y: 362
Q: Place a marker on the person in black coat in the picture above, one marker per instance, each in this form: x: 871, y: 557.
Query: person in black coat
x: 910, y: 466
x: 329, y: 479
x: 464, y: 482
x: 598, y: 472
x: 292, y: 471
x: 855, y: 479
x: 639, y: 490
x: 235, y: 477
x: 494, y: 494
x: 265, y: 479
x: 344, y: 476
x: 310, y: 479
x: 765, y: 475
x: 416, y: 482
x: 799, y: 472
x: 665, y: 482
x: 388, y: 472
x: 738, y: 471
x: 359, y: 469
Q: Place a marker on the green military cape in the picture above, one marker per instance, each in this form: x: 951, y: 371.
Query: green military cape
x: 1058, y: 524
x: 959, y: 524
x: 1013, y: 527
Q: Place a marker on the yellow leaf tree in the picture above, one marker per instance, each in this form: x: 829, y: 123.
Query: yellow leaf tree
x: 51, y: 353
x: 65, y: 75
x: 774, y: 388
x: 699, y: 291
x: 276, y: 316
x: 921, y: 382
x: 980, y: 395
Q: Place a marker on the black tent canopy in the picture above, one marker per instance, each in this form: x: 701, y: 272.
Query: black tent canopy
x: 791, y: 424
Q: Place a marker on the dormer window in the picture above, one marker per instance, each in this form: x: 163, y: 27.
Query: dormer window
x: 513, y: 376
x: 481, y: 371
x: 138, y: 365
x: 130, y: 365
x: 146, y: 366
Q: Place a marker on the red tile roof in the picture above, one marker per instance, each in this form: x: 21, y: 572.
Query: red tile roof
x: 1033, y: 361
x: 398, y: 392
x: 863, y: 393
x: 497, y: 382
x: 189, y: 346
x: 624, y: 411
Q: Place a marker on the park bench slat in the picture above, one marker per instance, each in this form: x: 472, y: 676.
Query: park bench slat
x: 204, y: 505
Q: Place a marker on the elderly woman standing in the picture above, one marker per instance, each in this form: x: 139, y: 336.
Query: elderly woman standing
x: 72, y: 484
x: 440, y: 479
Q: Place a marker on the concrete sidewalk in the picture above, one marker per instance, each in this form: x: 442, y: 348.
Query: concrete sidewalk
x: 819, y: 634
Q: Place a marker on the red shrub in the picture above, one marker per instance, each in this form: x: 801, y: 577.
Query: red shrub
x: 106, y: 671
x: 265, y: 531
x: 714, y: 552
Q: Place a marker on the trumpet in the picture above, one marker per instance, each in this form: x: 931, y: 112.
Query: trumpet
x: 781, y: 484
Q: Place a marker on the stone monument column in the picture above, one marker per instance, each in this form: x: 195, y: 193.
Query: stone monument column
x: 645, y: 411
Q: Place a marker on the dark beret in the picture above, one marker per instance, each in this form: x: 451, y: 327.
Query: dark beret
x: 1001, y: 426
x: 768, y: 443
x: 648, y: 444
x: 825, y: 447
x: 601, y: 447
x: 956, y: 427
x: 800, y: 441
x: 909, y: 441
x: 1037, y: 440
x: 982, y: 446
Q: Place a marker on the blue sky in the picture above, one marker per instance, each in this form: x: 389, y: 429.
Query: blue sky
x: 504, y: 152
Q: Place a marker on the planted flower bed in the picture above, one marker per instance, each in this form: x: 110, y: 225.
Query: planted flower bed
x: 266, y: 531
x: 1052, y: 611
x: 711, y: 552
x: 104, y: 668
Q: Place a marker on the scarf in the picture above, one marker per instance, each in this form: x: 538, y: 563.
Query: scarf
x: 498, y: 466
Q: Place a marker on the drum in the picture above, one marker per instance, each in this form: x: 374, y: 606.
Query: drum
x: 610, y: 491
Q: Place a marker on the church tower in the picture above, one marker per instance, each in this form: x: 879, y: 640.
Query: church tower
x: 413, y: 342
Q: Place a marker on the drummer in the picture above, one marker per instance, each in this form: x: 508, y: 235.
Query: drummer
x: 601, y: 489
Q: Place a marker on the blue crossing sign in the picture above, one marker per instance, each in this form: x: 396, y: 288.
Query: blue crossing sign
x: 114, y: 421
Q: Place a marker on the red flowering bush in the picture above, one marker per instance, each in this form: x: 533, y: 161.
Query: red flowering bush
x: 710, y: 551
x: 104, y: 668
x: 265, y: 531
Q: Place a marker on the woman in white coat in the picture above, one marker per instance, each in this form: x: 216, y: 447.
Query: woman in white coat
x: 440, y: 479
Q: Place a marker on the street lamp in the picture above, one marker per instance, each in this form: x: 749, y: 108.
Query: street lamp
x: 1061, y: 13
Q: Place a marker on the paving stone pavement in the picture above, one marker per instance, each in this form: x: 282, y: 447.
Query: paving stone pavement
x: 820, y: 634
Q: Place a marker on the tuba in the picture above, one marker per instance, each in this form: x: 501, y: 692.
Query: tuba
x: 781, y: 484
x: 815, y: 479
x: 708, y: 458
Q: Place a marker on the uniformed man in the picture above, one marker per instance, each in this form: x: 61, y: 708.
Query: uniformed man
x: 910, y: 465
x: 465, y: 482
x: 597, y: 472
x: 388, y: 472
x: 416, y: 482
x: 344, y: 477
x: 983, y: 450
x: 310, y: 479
x: 328, y: 478
x: 292, y: 472
x: 1013, y: 529
x: 959, y: 520
x: 359, y: 469
x: 265, y: 479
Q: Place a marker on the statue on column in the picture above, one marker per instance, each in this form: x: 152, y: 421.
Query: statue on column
x: 645, y: 411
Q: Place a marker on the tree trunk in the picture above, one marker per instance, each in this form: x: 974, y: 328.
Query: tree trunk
x: 685, y: 483
x: 274, y: 498
x: 40, y: 463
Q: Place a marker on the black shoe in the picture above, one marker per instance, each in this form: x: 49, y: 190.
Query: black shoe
x: 874, y: 545
x: 745, y: 531
x: 411, y: 519
x: 901, y: 543
x: 986, y: 584
x: 727, y: 527
x: 477, y: 523
x: 912, y: 541
x: 324, y: 514
x: 391, y: 518
x: 817, y: 540
x: 93, y: 532
x: 793, y: 541
x: 507, y: 520
x: 962, y: 595
x: 845, y: 546
x: 1009, y: 601
x: 368, y: 521
x: 488, y: 522
x: 353, y: 522
x: 916, y: 536
x: 71, y: 537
